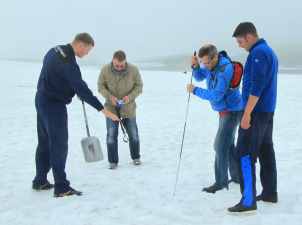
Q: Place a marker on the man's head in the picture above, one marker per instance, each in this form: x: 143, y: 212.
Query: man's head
x: 82, y: 44
x: 246, y: 35
x: 119, y: 60
x: 208, y: 56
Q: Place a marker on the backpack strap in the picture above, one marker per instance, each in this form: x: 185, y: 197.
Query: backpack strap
x: 222, y: 67
x: 225, y: 54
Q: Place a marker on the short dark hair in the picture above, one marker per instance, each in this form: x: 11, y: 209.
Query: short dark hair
x: 85, y: 38
x: 208, y: 50
x: 245, y: 28
x: 119, y: 55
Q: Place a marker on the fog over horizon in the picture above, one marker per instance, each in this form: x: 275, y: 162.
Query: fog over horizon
x: 144, y: 29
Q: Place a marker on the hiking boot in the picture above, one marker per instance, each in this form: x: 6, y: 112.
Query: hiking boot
x: 42, y: 187
x: 270, y: 198
x: 213, y: 188
x: 70, y: 192
x: 137, y: 162
x: 112, y: 166
x: 241, y: 208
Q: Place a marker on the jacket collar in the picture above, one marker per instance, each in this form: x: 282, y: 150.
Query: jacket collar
x: 70, y: 52
x: 260, y: 41
x: 220, y: 62
x: 119, y: 73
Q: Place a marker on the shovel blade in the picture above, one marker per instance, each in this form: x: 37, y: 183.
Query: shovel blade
x: 92, y: 149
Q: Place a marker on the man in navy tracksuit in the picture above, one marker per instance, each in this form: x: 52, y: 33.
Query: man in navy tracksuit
x: 259, y: 94
x: 217, y: 70
x: 59, y: 81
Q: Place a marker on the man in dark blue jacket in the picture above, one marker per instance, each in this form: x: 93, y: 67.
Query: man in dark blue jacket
x: 60, y: 79
x: 259, y: 93
x: 217, y: 70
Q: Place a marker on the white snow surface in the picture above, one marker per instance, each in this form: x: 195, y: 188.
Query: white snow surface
x: 140, y: 195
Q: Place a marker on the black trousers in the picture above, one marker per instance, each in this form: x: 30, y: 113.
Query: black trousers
x: 252, y: 144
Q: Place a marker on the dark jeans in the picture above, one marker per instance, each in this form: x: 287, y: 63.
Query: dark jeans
x: 257, y: 143
x: 52, y: 146
x: 112, y: 135
x: 225, y: 157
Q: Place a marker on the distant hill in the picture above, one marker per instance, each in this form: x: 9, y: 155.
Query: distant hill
x: 290, y: 61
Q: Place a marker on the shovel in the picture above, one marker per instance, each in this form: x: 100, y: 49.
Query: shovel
x: 91, y: 145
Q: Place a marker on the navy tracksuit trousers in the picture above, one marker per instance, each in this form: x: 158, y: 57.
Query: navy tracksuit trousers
x: 52, y: 147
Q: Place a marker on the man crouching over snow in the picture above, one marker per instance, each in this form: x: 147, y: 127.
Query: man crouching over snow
x: 217, y: 70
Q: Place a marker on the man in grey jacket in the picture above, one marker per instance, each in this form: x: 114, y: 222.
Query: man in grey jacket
x: 120, y: 84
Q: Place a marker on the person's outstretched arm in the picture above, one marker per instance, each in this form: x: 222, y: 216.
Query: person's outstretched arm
x: 74, y: 77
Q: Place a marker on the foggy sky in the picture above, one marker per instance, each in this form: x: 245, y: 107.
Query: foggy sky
x: 144, y: 29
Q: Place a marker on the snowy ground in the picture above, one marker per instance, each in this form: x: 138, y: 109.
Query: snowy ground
x: 132, y: 195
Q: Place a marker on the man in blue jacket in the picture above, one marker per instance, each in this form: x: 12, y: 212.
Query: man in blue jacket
x: 60, y: 79
x: 259, y: 93
x: 217, y: 70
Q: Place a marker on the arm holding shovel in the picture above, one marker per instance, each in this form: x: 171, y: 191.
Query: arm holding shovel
x: 82, y: 90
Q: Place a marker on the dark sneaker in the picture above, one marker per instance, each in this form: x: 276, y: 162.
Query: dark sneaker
x: 241, y: 208
x: 112, y: 166
x: 42, y: 187
x: 213, y: 188
x: 137, y: 162
x: 70, y: 192
x: 271, y: 198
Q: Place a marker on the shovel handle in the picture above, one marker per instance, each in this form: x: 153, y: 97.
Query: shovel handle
x: 86, y: 120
